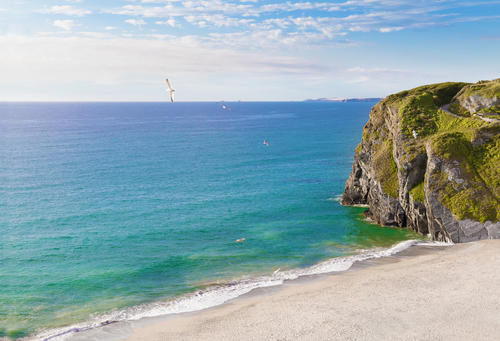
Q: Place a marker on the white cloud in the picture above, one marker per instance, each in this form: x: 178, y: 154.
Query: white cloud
x: 170, y: 22
x: 236, y: 36
x: 360, y: 69
x: 135, y: 22
x: 295, y: 18
x: 130, y: 59
x: 65, y: 24
x: 149, y: 12
x: 390, y: 29
x: 218, y: 20
x: 67, y: 10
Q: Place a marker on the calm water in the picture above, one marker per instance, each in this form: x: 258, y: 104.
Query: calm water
x: 105, y: 206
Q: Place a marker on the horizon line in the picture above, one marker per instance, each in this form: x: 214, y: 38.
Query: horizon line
x: 320, y: 99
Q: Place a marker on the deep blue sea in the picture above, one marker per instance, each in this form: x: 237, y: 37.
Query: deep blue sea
x: 112, y: 211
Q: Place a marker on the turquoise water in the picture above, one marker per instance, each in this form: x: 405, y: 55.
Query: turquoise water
x: 105, y: 206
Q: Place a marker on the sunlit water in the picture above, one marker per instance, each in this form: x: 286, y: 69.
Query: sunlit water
x: 105, y: 206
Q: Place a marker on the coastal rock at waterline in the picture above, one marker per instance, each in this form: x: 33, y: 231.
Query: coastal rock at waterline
x: 421, y: 168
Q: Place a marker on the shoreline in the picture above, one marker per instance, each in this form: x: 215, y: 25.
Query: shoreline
x: 228, y: 291
x: 420, y: 293
x: 317, y: 272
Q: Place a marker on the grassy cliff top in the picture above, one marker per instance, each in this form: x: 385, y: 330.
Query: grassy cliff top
x: 423, y: 111
x: 468, y: 143
x: 487, y: 89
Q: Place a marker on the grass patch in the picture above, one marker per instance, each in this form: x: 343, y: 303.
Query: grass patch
x: 493, y: 110
x: 466, y: 143
x: 418, y: 193
x: 418, y: 113
x: 487, y: 89
x: 486, y: 160
x: 480, y: 168
x: 442, y: 93
x: 466, y: 125
x: 386, y: 169
x: 418, y: 107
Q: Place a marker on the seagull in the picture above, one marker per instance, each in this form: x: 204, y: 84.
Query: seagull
x: 170, y: 90
x: 240, y: 240
x: 225, y: 107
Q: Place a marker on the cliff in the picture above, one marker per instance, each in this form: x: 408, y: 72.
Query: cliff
x: 429, y: 160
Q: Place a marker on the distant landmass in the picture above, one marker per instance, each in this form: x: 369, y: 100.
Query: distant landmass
x: 334, y: 99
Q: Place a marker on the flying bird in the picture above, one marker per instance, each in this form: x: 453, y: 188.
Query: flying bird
x: 266, y: 143
x: 170, y: 90
x: 224, y: 106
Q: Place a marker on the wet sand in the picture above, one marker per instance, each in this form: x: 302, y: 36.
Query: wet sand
x: 452, y: 293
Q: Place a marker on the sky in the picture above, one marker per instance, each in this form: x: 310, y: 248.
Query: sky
x: 249, y: 50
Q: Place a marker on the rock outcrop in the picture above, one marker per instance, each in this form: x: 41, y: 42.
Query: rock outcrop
x: 421, y: 168
x: 482, y: 97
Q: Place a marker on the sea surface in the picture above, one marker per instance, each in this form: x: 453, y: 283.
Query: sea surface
x: 113, y: 211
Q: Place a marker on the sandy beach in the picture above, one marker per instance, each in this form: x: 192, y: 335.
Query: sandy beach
x: 450, y: 294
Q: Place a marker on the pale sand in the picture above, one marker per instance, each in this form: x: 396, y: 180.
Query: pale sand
x: 446, y: 295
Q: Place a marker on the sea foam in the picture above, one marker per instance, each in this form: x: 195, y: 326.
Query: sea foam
x: 218, y: 294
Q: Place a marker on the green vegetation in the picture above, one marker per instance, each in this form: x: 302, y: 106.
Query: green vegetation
x: 486, y: 160
x: 442, y: 93
x: 418, y: 108
x: 468, y: 125
x: 487, y: 89
x: 479, y: 167
x: 457, y: 109
x: 358, y: 148
x: 418, y: 113
x: 418, y: 193
x: 491, y: 110
x: 468, y: 146
x: 386, y: 169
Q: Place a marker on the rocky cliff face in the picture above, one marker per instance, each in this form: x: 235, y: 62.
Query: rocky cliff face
x: 429, y: 170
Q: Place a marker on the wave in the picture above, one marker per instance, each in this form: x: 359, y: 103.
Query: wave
x: 338, y: 198
x: 218, y: 294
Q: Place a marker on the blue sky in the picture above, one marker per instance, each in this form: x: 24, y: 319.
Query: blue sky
x: 122, y: 50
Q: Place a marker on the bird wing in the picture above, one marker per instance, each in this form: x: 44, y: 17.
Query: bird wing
x: 172, y: 96
x: 168, y: 84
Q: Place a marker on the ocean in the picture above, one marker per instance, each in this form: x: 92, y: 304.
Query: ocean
x: 116, y: 211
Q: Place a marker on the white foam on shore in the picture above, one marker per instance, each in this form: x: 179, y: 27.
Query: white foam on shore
x: 218, y: 294
x: 338, y: 198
